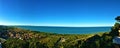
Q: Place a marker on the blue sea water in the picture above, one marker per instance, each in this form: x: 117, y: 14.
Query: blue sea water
x: 67, y: 30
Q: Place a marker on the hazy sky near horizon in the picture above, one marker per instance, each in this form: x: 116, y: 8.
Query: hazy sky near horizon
x: 59, y: 12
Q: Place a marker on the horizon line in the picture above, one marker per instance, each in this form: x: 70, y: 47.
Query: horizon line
x: 60, y: 26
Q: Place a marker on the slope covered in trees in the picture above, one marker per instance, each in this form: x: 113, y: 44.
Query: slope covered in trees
x: 21, y: 38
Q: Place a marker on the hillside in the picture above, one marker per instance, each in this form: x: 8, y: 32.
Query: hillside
x: 21, y: 38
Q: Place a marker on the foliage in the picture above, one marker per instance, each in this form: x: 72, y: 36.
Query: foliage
x: 21, y: 38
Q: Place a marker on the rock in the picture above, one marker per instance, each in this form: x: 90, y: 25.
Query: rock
x: 63, y: 39
x: 116, y: 40
x: 0, y: 45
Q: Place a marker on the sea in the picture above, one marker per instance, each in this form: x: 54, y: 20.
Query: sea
x: 67, y: 30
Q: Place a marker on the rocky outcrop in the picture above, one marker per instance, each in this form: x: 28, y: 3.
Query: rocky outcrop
x: 116, y: 40
x: 0, y: 45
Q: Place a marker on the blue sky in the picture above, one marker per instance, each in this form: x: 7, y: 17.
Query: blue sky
x: 59, y: 12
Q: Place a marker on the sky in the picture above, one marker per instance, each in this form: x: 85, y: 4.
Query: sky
x: 59, y: 12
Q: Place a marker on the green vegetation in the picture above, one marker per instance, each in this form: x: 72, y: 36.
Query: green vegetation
x: 20, y: 38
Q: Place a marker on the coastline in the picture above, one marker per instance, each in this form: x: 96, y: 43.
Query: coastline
x: 21, y: 37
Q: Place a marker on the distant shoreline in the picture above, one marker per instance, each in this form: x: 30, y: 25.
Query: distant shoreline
x: 55, y: 26
x: 67, y: 30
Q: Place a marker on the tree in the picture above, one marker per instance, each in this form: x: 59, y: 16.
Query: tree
x: 116, y: 27
x: 117, y: 18
x: 15, y: 43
